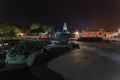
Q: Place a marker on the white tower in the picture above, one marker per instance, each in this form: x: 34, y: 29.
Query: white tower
x: 65, y: 27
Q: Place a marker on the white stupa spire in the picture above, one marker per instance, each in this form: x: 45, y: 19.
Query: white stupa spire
x: 65, y: 27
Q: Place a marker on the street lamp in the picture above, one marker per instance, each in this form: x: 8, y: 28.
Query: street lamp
x: 118, y: 30
x: 21, y: 34
x: 118, y: 33
x: 76, y: 34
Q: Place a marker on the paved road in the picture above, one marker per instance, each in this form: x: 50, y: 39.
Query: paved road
x: 78, y: 64
x: 82, y: 64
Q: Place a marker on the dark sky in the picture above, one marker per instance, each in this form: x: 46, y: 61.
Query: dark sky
x: 77, y: 13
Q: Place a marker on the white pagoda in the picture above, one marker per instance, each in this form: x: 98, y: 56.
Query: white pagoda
x: 65, y: 28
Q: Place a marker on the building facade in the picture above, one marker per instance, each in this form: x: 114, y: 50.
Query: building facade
x: 96, y: 33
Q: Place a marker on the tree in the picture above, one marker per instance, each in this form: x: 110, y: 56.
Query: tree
x: 35, y: 26
x: 45, y: 28
x: 8, y: 29
x: 48, y: 28
x: 5, y: 28
x: 16, y: 30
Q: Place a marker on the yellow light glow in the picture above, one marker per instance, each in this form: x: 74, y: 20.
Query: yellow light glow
x: 21, y: 34
x: 76, y: 32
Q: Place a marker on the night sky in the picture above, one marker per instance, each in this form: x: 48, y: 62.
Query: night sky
x: 77, y: 13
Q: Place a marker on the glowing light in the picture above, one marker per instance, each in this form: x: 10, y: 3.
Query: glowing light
x: 76, y: 34
x: 118, y: 30
x: 21, y: 34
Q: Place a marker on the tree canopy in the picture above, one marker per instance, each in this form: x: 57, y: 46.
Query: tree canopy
x: 8, y: 29
x: 35, y: 26
x: 47, y: 28
x: 13, y: 30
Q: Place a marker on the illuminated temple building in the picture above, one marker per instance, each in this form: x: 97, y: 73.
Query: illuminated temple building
x: 65, y: 30
x: 96, y: 33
